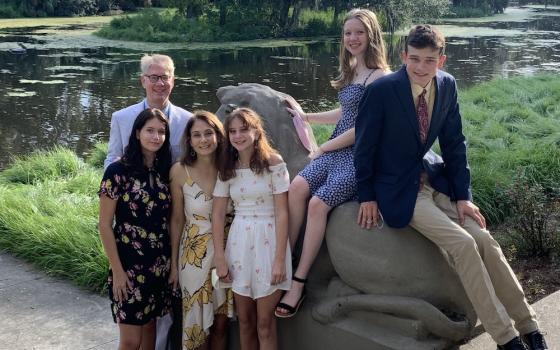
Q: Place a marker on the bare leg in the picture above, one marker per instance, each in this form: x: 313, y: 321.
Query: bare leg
x: 130, y: 337
x: 148, y: 336
x: 297, y: 202
x: 247, y: 316
x: 314, y: 234
x: 218, y: 335
x: 266, y: 322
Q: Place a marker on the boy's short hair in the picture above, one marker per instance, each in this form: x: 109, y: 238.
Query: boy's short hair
x: 425, y: 35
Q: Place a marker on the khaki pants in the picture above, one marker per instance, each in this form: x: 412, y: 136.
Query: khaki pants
x: 488, y: 280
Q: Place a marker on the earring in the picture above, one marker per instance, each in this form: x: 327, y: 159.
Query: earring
x: 192, y: 153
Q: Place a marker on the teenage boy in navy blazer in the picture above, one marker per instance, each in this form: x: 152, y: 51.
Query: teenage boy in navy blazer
x: 400, y: 116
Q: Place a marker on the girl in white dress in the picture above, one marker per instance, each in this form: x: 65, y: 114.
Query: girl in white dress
x: 255, y: 177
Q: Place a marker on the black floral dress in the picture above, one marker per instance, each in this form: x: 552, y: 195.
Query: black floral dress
x: 142, y: 242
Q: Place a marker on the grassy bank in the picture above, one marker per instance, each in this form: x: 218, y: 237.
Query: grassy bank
x: 168, y: 26
x: 48, y: 201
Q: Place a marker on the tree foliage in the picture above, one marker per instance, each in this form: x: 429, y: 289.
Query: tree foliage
x: 43, y: 8
x: 487, y: 6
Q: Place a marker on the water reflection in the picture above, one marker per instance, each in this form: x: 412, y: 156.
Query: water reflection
x: 66, y: 96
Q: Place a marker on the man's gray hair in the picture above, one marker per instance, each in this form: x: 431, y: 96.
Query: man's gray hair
x: 161, y: 60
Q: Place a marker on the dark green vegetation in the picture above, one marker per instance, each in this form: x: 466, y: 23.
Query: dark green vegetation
x: 476, y: 8
x: 50, y: 8
x: 226, y: 20
x: 230, y: 20
x: 49, y: 206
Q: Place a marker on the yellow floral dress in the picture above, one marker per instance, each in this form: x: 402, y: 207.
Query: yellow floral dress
x: 196, y: 254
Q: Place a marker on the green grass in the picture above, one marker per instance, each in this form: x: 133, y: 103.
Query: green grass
x: 30, y: 169
x: 97, y: 156
x: 511, y: 124
x: 50, y: 218
x: 49, y: 206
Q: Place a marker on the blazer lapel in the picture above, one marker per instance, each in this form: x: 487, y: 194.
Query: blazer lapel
x: 436, y: 117
x: 404, y: 93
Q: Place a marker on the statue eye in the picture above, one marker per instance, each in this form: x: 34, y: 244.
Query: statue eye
x: 231, y: 107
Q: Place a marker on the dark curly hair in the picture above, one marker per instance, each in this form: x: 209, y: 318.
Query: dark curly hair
x: 133, y: 159
x: 425, y: 35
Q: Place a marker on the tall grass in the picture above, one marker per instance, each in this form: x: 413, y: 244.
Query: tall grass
x: 511, y: 124
x: 39, y: 166
x: 51, y: 221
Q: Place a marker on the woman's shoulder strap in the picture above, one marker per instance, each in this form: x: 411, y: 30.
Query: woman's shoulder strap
x: 369, y: 75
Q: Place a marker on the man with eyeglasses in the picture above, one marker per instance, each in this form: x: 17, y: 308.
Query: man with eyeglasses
x: 158, y: 80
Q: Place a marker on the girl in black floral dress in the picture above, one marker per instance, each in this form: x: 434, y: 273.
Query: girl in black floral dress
x: 134, y: 195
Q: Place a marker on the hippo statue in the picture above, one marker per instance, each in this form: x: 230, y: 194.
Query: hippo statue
x: 382, y: 288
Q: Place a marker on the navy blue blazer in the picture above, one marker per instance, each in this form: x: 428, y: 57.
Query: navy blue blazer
x: 389, y: 156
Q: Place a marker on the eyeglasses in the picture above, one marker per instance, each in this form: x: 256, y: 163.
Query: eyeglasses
x: 154, y: 78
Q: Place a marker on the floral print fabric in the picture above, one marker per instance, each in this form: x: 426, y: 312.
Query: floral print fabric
x: 142, y: 240
x: 196, y: 254
x: 251, y: 242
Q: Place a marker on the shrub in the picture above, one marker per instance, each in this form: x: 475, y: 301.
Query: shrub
x: 533, y: 214
x: 7, y: 11
x: 468, y: 12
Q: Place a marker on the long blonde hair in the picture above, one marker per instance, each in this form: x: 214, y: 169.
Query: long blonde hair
x: 263, y: 149
x: 375, y: 55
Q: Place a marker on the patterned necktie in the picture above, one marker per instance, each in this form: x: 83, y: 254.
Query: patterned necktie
x: 422, y: 114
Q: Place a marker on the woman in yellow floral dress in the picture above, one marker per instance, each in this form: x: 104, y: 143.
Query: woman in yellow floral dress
x: 205, y: 310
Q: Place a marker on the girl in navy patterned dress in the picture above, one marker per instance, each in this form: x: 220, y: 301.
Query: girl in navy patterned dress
x: 134, y: 193
x: 329, y: 180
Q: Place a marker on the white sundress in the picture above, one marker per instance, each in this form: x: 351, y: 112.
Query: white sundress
x: 251, y: 242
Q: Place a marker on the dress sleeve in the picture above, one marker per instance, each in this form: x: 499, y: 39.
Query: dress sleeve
x: 112, y: 182
x: 280, y: 178
x: 221, y: 189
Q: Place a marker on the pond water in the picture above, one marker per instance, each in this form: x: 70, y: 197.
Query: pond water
x: 65, y: 86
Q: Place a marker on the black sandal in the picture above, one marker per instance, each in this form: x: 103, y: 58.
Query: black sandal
x: 292, y: 310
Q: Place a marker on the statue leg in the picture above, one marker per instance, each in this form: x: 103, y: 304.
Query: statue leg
x: 507, y: 287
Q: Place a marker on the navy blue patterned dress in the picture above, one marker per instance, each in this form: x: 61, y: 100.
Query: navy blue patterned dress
x: 331, y: 177
x: 142, y: 243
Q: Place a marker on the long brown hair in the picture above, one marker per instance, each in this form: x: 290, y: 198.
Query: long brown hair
x: 263, y: 150
x: 375, y: 55
x: 188, y: 156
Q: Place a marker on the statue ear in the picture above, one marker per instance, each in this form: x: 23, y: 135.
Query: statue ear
x: 222, y: 91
